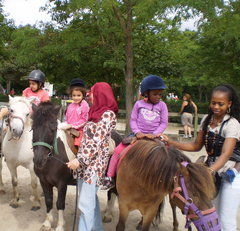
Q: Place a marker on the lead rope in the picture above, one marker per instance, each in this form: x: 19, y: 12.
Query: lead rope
x: 75, y: 211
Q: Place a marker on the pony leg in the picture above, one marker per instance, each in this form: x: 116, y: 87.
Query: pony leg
x: 139, y: 226
x: 110, y: 207
x: 13, y: 172
x: 148, y: 218
x: 48, y: 195
x: 123, y: 214
x: 175, y: 221
x: 62, y: 190
x: 34, y: 183
x: 2, y: 191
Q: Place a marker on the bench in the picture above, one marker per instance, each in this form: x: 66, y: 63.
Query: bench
x: 181, y: 134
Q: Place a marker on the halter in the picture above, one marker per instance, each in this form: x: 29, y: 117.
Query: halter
x: 10, y: 117
x: 206, y: 220
x: 53, y: 147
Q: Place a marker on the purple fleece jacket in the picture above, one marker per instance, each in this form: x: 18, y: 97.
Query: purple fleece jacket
x: 149, y: 118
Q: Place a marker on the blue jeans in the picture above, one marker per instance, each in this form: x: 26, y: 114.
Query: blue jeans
x: 90, y: 216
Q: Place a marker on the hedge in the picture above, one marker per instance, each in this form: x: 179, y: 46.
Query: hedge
x: 4, y: 98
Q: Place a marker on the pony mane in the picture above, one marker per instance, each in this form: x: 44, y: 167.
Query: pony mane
x: 156, y: 165
x: 21, y: 99
x: 44, y: 112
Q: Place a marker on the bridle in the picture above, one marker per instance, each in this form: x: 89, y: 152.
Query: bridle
x: 206, y: 220
x: 53, y: 149
x: 10, y: 117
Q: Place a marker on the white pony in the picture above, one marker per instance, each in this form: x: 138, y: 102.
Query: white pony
x: 17, y: 147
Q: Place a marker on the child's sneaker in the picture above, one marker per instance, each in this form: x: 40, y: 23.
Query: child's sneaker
x: 190, y: 136
x: 108, y: 183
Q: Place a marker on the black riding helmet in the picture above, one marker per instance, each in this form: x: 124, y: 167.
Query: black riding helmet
x: 77, y: 83
x: 37, y: 75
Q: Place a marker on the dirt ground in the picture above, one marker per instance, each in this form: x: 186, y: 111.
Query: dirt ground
x: 22, y: 218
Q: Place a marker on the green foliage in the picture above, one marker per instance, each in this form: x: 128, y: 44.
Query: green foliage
x: 4, y: 98
x: 90, y: 44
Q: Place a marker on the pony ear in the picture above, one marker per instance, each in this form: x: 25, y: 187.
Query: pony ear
x: 10, y: 98
x: 34, y: 107
x: 57, y: 108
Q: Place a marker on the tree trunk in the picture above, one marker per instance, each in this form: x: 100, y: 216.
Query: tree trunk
x: 2, y: 89
x: 129, y: 65
x: 8, y: 86
x: 200, y: 93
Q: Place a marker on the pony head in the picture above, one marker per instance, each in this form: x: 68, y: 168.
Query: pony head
x: 20, y: 110
x: 44, y: 128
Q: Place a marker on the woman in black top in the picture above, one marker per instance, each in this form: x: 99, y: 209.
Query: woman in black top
x: 187, y: 110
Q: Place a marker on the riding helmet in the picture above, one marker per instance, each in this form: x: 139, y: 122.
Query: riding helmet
x: 37, y: 75
x: 77, y: 82
x: 152, y: 82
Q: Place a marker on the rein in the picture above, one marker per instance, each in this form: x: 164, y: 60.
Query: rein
x: 206, y: 220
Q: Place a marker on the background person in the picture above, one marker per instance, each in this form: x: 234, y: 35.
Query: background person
x: 187, y: 110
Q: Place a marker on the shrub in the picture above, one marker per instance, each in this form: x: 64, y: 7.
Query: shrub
x: 4, y: 98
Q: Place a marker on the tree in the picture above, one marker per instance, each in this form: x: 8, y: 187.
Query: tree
x: 130, y: 14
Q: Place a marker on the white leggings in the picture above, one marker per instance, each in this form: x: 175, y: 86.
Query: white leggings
x: 227, y: 204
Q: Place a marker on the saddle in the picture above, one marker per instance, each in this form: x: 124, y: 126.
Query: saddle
x: 71, y: 134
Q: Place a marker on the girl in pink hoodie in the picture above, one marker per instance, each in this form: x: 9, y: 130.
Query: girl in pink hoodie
x: 77, y: 111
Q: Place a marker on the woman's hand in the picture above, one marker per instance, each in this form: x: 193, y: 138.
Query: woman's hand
x: 159, y: 135
x: 4, y: 111
x: 140, y: 135
x: 166, y: 139
x: 73, y: 164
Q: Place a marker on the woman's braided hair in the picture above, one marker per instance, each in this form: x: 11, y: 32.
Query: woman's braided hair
x: 234, y: 109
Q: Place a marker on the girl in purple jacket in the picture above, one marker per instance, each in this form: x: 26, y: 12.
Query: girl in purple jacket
x: 149, y: 119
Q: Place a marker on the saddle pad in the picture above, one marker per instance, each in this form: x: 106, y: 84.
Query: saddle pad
x: 124, y: 152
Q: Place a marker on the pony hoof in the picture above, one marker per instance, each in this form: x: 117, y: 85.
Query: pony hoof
x: 45, y: 228
x: 14, y: 205
x: 107, y: 219
x: 139, y: 226
x: 35, y: 208
x: 59, y: 228
x: 2, y: 192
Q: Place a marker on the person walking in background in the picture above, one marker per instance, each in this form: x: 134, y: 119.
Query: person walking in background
x: 12, y: 92
x: 187, y: 110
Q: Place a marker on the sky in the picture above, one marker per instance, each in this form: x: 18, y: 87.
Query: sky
x: 27, y: 12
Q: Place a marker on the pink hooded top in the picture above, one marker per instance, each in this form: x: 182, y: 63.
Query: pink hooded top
x: 77, y: 114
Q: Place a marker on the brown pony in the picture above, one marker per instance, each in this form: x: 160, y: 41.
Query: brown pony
x: 149, y: 172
